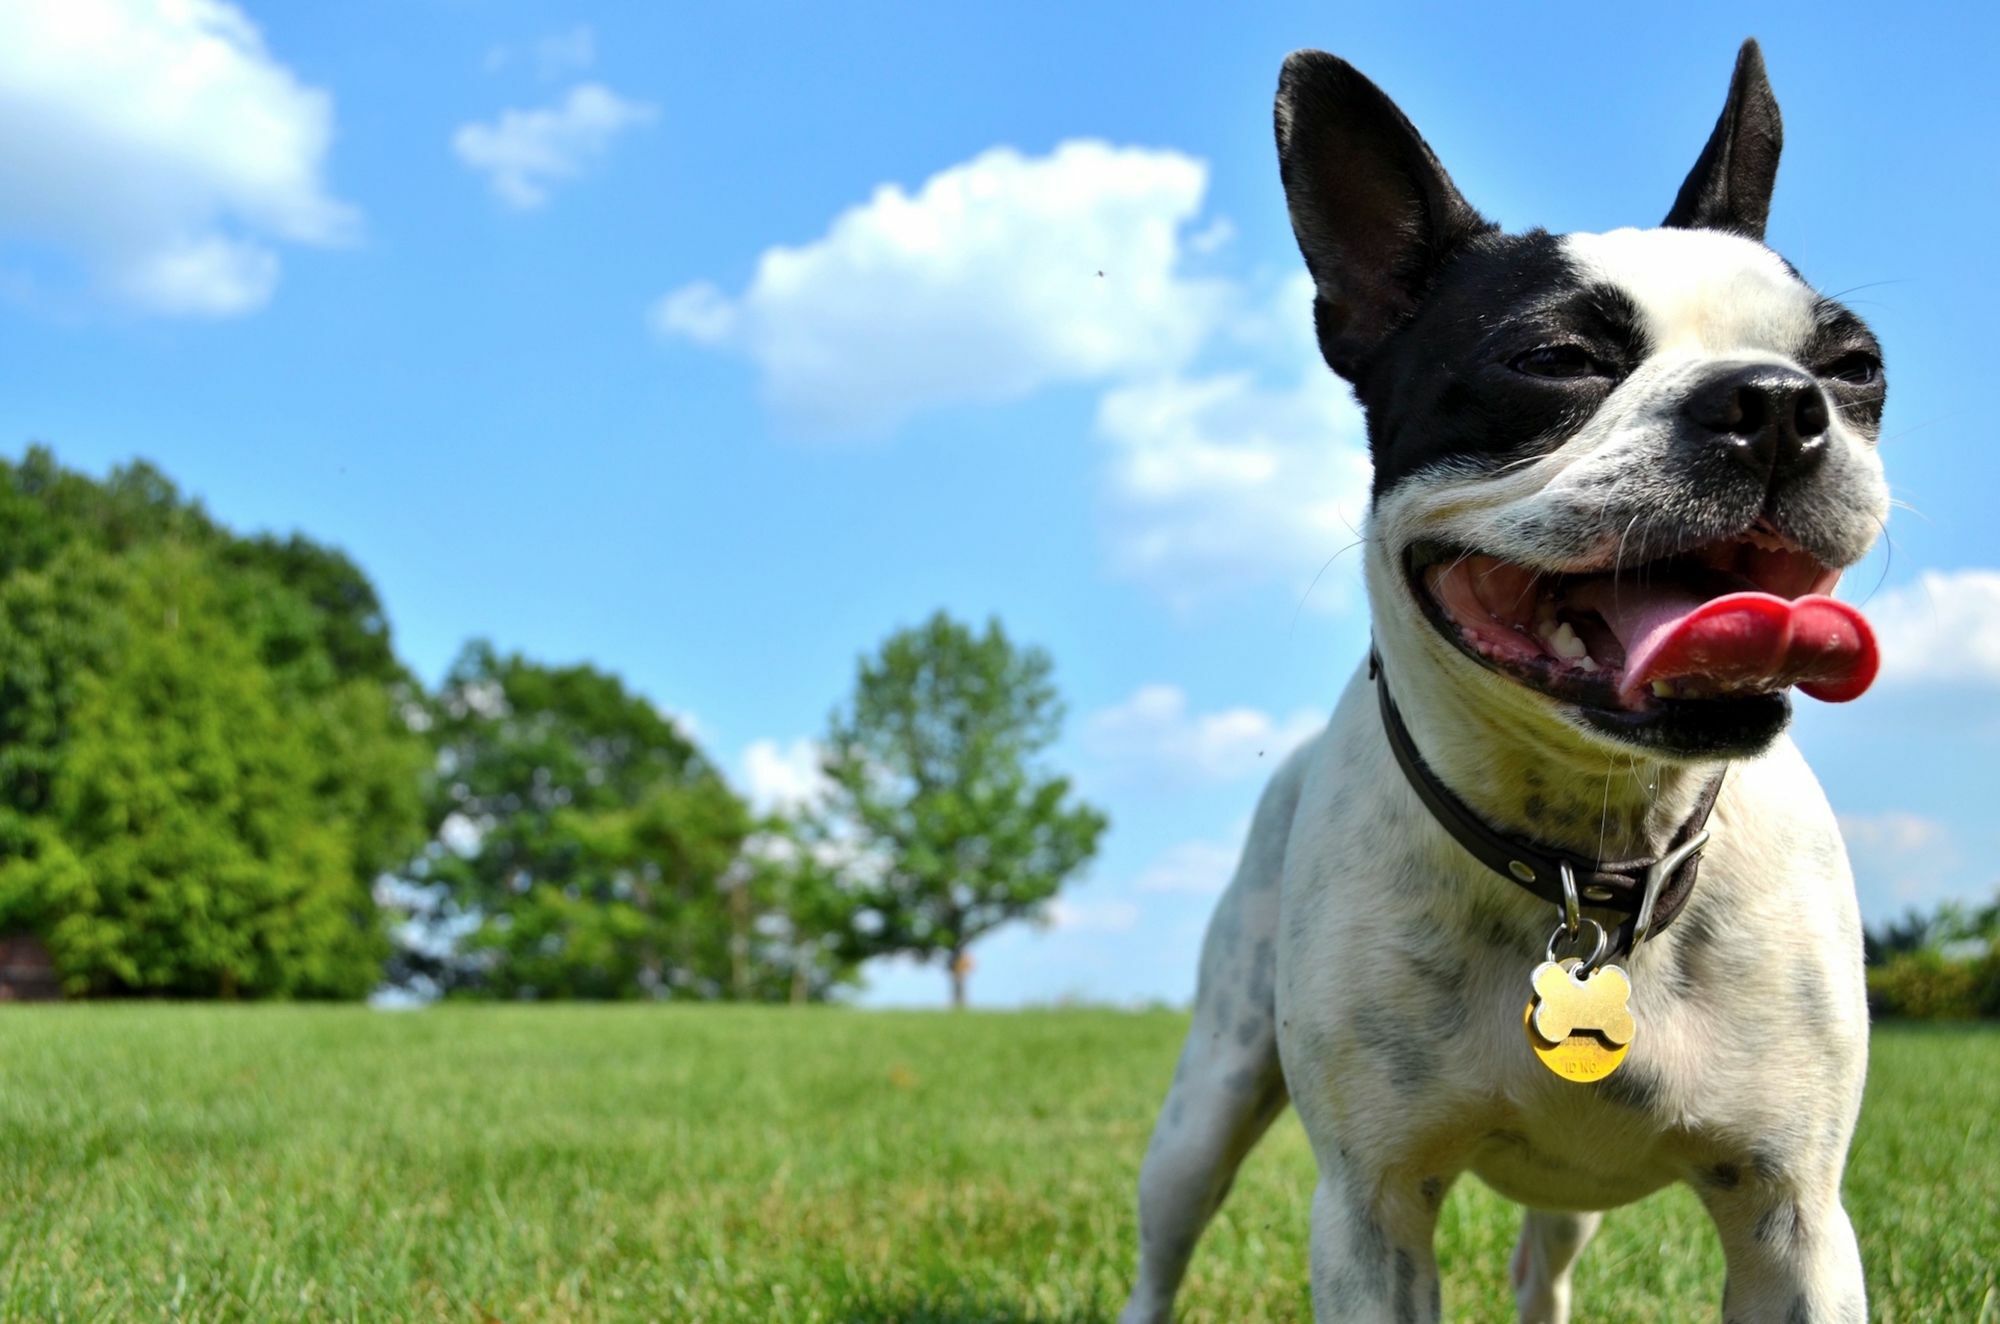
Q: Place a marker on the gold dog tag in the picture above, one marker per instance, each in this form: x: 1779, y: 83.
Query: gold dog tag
x: 1581, y: 1029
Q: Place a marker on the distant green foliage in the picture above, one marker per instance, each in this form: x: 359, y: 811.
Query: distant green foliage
x: 218, y: 780
x: 794, y: 935
x: 955, y: 830
x: 587, y: 836
x: 203, y: 758
x: 1941, y: 966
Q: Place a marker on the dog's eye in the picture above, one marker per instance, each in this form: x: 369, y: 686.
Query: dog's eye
x: 1857, y: 369
x: 1557, y: 361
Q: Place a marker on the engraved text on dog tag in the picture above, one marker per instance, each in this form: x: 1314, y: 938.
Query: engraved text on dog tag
x: 1581, y: 1029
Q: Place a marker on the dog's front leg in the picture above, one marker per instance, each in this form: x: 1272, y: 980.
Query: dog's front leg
x: 1790, y: 1250
x: 1371, y: 1247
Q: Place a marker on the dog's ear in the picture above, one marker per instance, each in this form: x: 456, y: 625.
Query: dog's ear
x: 1730, y: 185
x: 1374, y: 212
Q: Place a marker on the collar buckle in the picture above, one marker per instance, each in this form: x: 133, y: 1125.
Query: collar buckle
x: 1656, y: 877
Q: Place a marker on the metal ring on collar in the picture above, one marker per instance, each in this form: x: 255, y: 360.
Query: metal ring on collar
x: 1588, y: 963
x: 1571, y: 908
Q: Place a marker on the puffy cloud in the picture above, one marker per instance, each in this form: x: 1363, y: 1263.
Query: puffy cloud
x: 686, y: 723
x: 1944, y: 628
x: 996, y: 277
x: 1893, y: 831
x: 163, y: 147
x: 525, y: 153
x: 1107, y: 916
x: 1233, y: 456
x: 1900, y: 860
x: 1221, y: 480
x: 1191, y: 868
x: 565, y: 52
x: 1154, y: 734
x: 778, y: 777
x: 552, y: 56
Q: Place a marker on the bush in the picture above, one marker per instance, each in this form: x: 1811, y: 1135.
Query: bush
x: 1986, y: 983
x: 1926, y: 985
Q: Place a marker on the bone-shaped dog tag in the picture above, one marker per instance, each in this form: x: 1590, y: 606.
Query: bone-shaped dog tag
x: 1581, y: 1029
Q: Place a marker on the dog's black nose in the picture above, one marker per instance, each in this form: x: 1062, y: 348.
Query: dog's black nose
x: 1769, y: 418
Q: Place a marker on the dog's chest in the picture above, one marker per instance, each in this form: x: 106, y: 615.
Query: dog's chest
x: 1574, y: 1156
x: 1416, y: 1037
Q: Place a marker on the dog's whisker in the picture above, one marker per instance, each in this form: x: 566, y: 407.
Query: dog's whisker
x: 1888, y: 558
x: 1315, y: 583
x: 1867, y: 285
x: 1912, y: 429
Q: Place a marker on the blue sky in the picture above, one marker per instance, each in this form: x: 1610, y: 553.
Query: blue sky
x: 712, y: 346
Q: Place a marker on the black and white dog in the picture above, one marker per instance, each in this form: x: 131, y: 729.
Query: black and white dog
x: 1615, y: 476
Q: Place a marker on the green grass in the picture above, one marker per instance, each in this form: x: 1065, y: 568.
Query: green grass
x: 574, y: 1163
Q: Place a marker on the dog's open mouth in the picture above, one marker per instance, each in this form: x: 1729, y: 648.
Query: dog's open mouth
x: 1738, y: 617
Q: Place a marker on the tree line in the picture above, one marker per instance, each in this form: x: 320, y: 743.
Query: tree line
x: 217, y: 779
x: 1944, y: 965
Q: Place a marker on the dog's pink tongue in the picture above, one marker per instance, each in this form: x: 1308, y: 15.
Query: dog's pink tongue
x: 1741, y: 642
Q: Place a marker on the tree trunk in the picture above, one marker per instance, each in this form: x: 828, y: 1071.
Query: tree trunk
x: 739, y: 942
x: 799, y: 984
x: 961, y: 966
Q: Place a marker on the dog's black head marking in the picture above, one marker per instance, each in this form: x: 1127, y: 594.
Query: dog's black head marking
x: 1374, y: 213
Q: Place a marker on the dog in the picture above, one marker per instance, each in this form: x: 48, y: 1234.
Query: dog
x: 1615, y: 478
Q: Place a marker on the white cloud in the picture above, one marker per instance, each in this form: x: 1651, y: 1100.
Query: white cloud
x: 1900, y: 860
x: 560, y: 53
x: 686, y: 723
x: 1894, y: 831
x: 778, y: 777
x: 1943, y: 628
x: 1191, y: 868
x: 163, y: 147
x: 981, y: 286
x: 1233, y: 457
x: 1153, y: 733
x: 1109, y: 916
x: 553, y: 56
x: 1219, y: 481
x: 525, y: 153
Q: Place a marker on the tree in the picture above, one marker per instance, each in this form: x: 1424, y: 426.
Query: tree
x: 579, y: 835
x: 169, y: 831
x: 934, y: 777
x: 196, y: 786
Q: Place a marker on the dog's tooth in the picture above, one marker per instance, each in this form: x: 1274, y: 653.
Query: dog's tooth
x: 1663, y: 689
x: 1585, y: 664
x: 1566, y: 644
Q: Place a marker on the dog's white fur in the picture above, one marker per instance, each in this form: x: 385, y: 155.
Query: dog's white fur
x: 1365, y: 967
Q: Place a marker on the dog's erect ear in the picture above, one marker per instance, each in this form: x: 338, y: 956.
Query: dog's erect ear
x: 1730, y: 185
x: 1374, y: 212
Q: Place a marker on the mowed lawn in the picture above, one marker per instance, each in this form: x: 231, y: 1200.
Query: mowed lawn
x: 699, y: 1164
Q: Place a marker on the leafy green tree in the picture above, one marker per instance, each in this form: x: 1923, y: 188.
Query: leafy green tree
x: 197, y: 787
x: 582, y: 832
x: 177, y: 842
x: 934, y: 777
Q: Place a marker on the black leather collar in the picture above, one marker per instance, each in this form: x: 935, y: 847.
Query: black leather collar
x: 1619, y: 887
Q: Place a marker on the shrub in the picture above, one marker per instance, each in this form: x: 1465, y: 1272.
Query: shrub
x: 1926, y: 985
